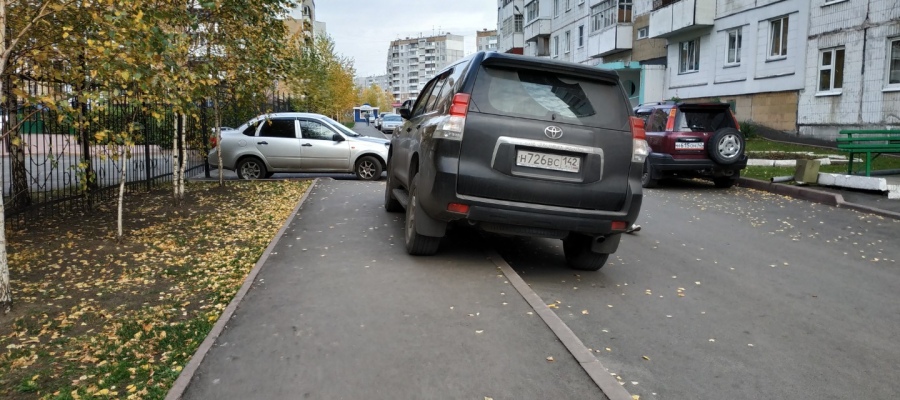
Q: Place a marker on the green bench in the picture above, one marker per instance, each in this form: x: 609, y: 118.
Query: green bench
x: 868, y: 142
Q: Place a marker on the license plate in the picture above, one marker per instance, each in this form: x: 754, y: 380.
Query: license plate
x: 689, y: 145
x: 554, y: 162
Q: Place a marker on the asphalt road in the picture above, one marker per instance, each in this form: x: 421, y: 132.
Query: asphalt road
x: 782, y: 298
x: 724, y: 294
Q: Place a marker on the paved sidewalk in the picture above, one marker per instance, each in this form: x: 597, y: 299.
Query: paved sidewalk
x: 340, y: 311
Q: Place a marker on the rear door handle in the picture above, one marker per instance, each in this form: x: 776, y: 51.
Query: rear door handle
x: 306, y: 144
x: 263, y: 142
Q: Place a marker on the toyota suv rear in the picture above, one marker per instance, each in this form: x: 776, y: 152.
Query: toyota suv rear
x: 519, y: 146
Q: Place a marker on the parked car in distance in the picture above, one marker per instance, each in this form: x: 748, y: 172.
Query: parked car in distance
x: 380, y: 119
x: 692, y: 140
x: 371, y: 118
x: 390, y: 122
x: 519, y: 146
x: 299, y: 142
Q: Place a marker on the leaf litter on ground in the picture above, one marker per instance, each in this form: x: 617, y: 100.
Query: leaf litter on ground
x: 94, y: 318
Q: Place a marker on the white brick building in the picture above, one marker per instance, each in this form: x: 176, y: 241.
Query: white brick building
x: 853, y: 67
x: 486, y: 40
x: 510, y: 18
x: 748, y: 52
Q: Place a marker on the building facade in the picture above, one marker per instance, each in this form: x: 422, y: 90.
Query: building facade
x: 486, y: 40
x: 510, y: 23
x: 411, y: 62
x: 810, y: 67
x: 749, y: 53
x: 852, y: 67
x: 383, y: 81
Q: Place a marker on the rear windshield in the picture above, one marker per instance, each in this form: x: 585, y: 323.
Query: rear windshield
x: 700, y: 120
x: 550, y: 97
x: 392, y: 118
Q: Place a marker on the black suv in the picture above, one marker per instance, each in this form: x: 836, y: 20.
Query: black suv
x: 692, y: 140
x: 519, y: 146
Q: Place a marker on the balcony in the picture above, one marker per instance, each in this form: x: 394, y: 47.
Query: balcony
x: 674, y: 17
x: 540, y: 27
x: 611, y: 40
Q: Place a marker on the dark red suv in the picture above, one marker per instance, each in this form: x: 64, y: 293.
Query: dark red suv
x: 692, y: 140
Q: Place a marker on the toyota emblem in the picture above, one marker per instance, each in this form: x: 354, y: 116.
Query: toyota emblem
x: 553, y: 132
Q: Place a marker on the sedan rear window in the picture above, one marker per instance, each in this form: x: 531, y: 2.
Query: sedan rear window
x: 392, y: 118
x: 548, y: 96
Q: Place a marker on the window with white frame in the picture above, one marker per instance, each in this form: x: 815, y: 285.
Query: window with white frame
x: 734, y: 47
x: 689, y: 56
x: 556, y: 46
x: 893, y: 69
x: 581, y: 36
x: 555, y: 8
x: 531, y: 11
x: 610, y: 12
x: 831, y: 70
x: 778, y: 37
x: 568, y: 45
x: 643, y: 33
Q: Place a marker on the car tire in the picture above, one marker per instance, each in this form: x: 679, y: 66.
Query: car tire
x: 577, y: 248
x: 368, y: 168
x: 251, y: 168
x: 725, y: 182
x: 646, y: 180
x: 726, y: 146
x: 390, y: 203
x: 416, y: 244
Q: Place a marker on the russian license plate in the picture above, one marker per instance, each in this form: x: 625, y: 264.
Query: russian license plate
x: 554, y: 162
x: 688, y: 145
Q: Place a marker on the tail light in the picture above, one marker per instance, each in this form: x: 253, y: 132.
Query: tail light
x: 213, y: 140
x: 640, y: 148
x: 670, y: 123
x: 452, y: 126
x: 737, y: 125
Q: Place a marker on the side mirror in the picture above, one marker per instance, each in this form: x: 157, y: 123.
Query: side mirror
x: 404, y: 113
x: 337, y: 137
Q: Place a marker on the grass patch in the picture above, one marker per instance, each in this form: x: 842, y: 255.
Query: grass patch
x: 759, y: 147
x: 96, y: 318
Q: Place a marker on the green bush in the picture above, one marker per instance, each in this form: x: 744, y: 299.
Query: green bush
x: 748, y: 129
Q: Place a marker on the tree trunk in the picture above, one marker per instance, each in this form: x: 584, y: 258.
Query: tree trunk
x: 183, y: 158
x: 218, y: 116
x: 122, y: 178
x: 176, y: 162
x: 21, y: 195
x: 5, y: 286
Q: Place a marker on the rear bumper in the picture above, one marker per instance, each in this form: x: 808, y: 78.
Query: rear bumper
x: 437, y: 188
x: 665, y: 162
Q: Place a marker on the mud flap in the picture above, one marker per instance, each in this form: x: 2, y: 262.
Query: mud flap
x: 427, y: 226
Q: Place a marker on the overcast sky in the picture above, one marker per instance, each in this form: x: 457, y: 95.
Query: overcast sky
x: 362, y: 30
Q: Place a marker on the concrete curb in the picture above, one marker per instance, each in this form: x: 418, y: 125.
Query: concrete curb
x: 817, y: 196
x: 184, y: 378
x: 591, y: 365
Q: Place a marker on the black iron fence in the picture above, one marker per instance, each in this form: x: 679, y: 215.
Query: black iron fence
x: 62, y: 161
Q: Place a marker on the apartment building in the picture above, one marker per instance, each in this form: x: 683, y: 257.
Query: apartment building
x: 411, y: 62
x: 510, y: 22
x: 486, y: 40
x: 749, y: 53
x: 303, y: 19
x: 807, y: 66
x: 383, y: 81
x: 852, y: 67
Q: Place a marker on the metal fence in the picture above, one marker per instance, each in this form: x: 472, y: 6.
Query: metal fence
x: 58, y: 165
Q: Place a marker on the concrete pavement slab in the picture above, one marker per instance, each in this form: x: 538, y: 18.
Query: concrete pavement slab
x: 340, y: 311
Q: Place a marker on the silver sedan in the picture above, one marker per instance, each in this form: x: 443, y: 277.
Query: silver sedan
x: 299, y: 142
